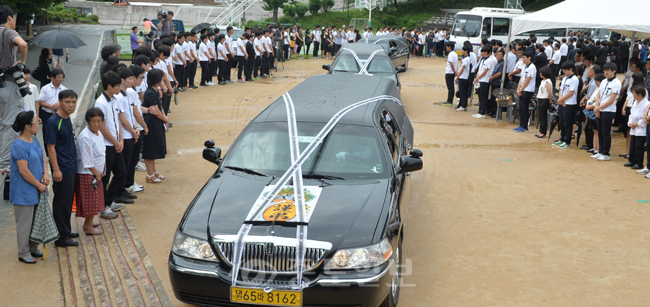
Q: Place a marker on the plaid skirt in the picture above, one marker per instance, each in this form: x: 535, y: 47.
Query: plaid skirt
x: 89, y: 201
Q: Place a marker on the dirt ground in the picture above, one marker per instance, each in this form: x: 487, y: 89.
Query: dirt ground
x: 497, y: 218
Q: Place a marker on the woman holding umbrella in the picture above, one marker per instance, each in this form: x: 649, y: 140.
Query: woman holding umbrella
x: 27, y: 158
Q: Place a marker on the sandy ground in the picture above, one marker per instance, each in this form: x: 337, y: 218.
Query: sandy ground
x: 496, y: 219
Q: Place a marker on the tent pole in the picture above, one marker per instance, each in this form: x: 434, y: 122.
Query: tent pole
x: 631, y: 48
x: 505, y: 64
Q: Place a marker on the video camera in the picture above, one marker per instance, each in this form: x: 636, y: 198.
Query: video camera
x: 162, y: 15
x: 19, y: 77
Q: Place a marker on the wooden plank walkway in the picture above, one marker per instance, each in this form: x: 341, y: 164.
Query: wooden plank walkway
x: 111, y: 269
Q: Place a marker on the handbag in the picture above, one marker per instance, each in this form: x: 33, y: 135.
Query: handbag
x: 292, y: 44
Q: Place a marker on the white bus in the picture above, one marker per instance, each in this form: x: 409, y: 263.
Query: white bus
x: 492, y: 23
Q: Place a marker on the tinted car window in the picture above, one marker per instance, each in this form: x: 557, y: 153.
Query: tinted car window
x: 350, y: 151
x: 345, y: 62
x: 381, y: 64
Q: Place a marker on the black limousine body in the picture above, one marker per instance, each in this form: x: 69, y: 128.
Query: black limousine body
x: 396, y: 47
x: 380, y: 65
x: 358, y: 180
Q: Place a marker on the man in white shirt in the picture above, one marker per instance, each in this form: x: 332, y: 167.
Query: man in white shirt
x: 212, y: 46
x: 29, y: 101
x: 548, y: 49
x: 337, y: 35
x: 606, y: 110
x: 49, y: 98
x: 450, y: 74
x: 178, y: 58
x: 113, y: 139
x: 187, y: 46
x: 352, y: 37
x: 526, y: 90
x: 204, y: 61
x: 259, y: 51
x: 568, y: 104
x: 229, y: 53
x: 484, y: 72
x: 515, y: 74
x: 461, y: 78
x: 554, y: 63
x: 287, y: 44
x: 367, y: 33
x: 240, y: 54
x: 564, y: 51
x: 316, y: 40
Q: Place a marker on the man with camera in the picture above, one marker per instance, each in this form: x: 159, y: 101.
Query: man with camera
x: 11, y: 93
x: 166, y: 24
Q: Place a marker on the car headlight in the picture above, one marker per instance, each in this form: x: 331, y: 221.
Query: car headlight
x: 362, y: 257
x: 190, y: 247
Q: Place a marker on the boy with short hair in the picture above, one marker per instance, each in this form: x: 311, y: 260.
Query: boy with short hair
x: 526, y: 90
x: 450, y: 73
x: 178, y: 58
x: 605, y: 111
x: 568, y: 102
x: 461, y: 79
x: 484, y: 72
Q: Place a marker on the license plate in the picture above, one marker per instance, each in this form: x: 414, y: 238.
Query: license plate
x: 260, y: 297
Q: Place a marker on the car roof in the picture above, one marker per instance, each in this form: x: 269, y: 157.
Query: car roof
x: 362, y: 49
x: 318, y: 98
x: 381, y: 37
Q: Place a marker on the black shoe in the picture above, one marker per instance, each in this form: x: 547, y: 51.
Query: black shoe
x: 584, y: 147
x: 129, y: 195
x: 194, y: 87
x: 123, y: 200
x: 66, y: 242
x: 591, y: 151
x: 636, y: 166
x: 628, y: 164
x: 73, y: 235
x: 623, y: 156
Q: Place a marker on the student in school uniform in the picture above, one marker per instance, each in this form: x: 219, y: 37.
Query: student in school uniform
x: 568, y: 104
x: 187, y: 47
x: 112, y: 134
x: 222, y: 57
x: 605, y: 111
x: 229, y: 53
x: 130, y: 132
x: 214, y: 65
x: 564, y: 51
x: 637, y: 127
x: 265, y: 54
x: 204, y: 60
x: 178, y: 58
x: 450, y: 73
x: 526, y: 90
x: 461, y: 79
x: 134, y: 98
x: 250, y: 59
x: 482, y: 81
x: 257, y: 44
x: 554, y: 63
x: 241, y: 56
x: 317, y: 39
x: 195, y: 55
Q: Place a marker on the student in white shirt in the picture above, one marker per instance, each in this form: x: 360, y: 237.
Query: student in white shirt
x: 526, y: 90
x: 316, y: 36
x: 178, y: 58
x: 229, y: 54
x: 450, y: 73
x: 461, y: 79
x: 49, y: 98
x: 204, y: 60
x: 187, y: 46
x: 638, y: 127
x: 482, y: 81
x: 544, y: 94
x: 568, y: 101
x: 130, y: 131
x: 137, y: 111
x: 241, y: 56
x: 554, y: 63
x: 564, y: 51
x: 113, y: 139
x: 606, y: 111
x: 29, y: 101
x: 212, y: 45
x: 259, y: 51
x: 222, y: 57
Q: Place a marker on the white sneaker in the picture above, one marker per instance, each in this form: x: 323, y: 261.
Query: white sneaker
x: 475, y: 115
x: 461, y: 109
x: 211, y: 83
x: 643, y: 171
x: 603, y: 158
x: 596, y: 156
x: 133, y: 189
x: 647, y: 175
x: 140, y: 167
x: 116, y: 207
x: 108, y: 214
x: 138, y: 186
x: 479, y: 116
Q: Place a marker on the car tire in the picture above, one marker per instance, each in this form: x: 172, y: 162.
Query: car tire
x: 406, y: 65
x: 395, y: 287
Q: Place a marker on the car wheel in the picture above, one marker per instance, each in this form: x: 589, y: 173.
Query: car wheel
x: 396, y: 282
x: 406, y: 65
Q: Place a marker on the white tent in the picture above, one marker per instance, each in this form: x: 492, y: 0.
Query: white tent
x: 622, y: 16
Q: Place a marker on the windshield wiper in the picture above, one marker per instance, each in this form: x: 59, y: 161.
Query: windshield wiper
x: 246, y: 170
x: 321, y: 176
x: 341, y: 70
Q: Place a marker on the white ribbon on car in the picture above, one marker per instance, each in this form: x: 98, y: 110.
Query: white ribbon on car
x: 294, y: 172
x: 364, y: 67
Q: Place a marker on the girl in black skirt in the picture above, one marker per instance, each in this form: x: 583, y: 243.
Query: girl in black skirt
x: 154, y: 142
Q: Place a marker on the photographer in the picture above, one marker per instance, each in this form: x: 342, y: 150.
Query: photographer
x: 166, y: 25
x: 11, y: 101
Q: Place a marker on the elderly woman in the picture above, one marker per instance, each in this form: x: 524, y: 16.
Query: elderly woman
x: 27, y: 158
x: 91, y: 154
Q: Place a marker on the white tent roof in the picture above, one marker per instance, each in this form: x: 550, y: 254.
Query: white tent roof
x: 622, y: 16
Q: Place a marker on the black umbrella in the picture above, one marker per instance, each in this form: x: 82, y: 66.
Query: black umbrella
x: 579, y: 133
x: 58, y: 39
x: 200, y: 27
x: 554, y: 120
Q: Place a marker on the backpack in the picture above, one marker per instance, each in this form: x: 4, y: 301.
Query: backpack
x: 38, y: 74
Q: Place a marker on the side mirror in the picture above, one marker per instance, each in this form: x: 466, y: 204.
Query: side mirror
x: 401, y: 69
x: 411, y: 163
x: 211, y: 153
x: 326, y: 67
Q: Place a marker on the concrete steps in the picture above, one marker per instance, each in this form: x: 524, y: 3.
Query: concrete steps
x: 444, y: 20
x: 112, y: 269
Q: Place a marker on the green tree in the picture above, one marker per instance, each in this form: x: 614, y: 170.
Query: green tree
x: 301, y: 9
x: 346, y: 4
x: 25, y: 9
x: 326, y: 5
x: 314, y: 7
x: 289, y: 10
x: 273, y: 5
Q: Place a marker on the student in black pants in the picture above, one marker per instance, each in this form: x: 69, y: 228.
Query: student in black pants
x: 606, y: 111
x: 637, y: 144
x: 461, y: 78
x: 250, y: 61
x: 483, y: 80
x: 223, y: 60
x: 450, y: 74
x: 568, y: 98
x: 62, y: 152
x: 526, y: 90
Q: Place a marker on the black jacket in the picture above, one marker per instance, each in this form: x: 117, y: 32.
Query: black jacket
x: 251, y: 52
x: 601, y: 55
x: 540, y: 61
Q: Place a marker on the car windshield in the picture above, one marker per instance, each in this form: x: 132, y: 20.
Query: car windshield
x: 349, y: 151
x: 600, y: 34
x: 345, y: 62
x: 381, y: 64
x: 467, y: 26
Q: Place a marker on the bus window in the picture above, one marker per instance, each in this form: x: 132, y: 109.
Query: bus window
x: 501, y: 26
x: 466, y: 26
x: 487, y: 28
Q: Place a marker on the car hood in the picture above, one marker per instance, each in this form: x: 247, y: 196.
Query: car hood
x: 346, y: 215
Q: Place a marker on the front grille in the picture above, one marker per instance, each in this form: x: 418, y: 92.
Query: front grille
x: 283, y: 258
